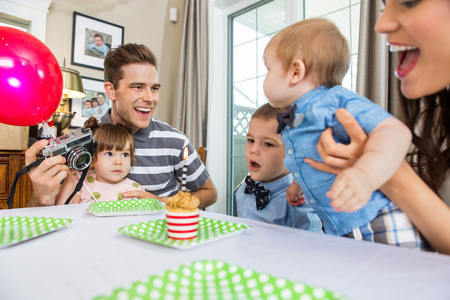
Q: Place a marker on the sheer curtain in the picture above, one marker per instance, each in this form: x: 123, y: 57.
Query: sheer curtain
x: 376, y: 66
x: 191, y: 100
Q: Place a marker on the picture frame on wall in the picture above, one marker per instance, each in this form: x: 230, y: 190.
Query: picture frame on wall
x: 92, y: 38
x: 86, y: 107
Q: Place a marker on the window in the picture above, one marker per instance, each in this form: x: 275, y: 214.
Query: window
x: 30, y: 15
x: 345, y: 14
x: 250, y: 31
x: 4, y: 21
x: 249, y: 25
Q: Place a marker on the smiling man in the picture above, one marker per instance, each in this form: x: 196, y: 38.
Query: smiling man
x: 131, y: 82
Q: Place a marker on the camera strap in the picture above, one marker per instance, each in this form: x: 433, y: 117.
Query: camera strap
x: 91, y: 148
x: 78, y: 186
x: 25, y: 170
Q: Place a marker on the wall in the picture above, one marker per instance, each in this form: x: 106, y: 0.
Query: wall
x: 145, y: 22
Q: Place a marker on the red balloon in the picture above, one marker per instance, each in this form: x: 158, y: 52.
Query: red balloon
x: 31, y: 81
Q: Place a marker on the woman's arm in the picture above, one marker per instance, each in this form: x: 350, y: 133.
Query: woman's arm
x: 406, y: 189
x: 385, y: 149
x: 425, y: 209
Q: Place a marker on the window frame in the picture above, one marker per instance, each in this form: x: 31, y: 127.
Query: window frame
x: 221, y: 91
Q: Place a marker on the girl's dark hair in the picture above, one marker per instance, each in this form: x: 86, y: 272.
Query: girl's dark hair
x: 429, y: 120
x: 110, y: 137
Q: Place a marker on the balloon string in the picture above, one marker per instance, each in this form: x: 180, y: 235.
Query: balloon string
x: 89, y: 190
x: 46, y: 127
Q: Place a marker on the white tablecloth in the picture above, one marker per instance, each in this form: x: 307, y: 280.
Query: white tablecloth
x: 89, y: 257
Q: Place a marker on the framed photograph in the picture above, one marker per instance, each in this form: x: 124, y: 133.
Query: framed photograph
x: 91, y: 39
x: 96, y: 103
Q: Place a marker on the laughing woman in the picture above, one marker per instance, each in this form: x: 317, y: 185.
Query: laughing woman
x: 420, y: 31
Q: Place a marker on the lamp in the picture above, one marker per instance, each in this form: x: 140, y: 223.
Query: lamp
x: 72, y: 88
x: 72, y: 85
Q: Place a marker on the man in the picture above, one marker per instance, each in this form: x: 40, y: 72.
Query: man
x: 131, y: 83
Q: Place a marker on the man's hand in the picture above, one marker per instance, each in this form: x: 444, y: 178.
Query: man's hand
x: 144, y: 195
x: 207, y: 195
x: 46, y: 177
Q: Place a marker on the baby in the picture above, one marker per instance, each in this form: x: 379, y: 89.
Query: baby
x: 306, y: 63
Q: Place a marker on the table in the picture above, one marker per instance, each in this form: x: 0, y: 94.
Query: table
x: 89, y: 257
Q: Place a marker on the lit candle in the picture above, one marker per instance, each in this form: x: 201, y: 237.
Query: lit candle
x: 183, y: 178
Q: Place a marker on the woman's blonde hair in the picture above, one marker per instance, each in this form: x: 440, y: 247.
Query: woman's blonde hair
x: 319, y: 44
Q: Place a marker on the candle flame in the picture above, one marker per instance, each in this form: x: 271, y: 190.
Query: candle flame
x: 185, y: 153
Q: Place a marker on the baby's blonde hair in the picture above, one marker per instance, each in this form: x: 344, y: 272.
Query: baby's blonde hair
x: 319, y: 44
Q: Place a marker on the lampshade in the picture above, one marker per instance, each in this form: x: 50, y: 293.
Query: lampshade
x: 72, y: 88
x: 72, y: 85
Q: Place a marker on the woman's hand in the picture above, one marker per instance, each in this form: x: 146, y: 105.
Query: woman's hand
x: 336, y: 156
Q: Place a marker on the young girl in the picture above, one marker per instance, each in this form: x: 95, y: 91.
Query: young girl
x: 106, y: 180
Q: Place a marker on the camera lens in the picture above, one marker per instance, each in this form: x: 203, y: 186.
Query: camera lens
x: 79, y: 158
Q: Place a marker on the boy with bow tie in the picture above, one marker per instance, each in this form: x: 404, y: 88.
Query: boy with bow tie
x: 262, y: 196
x: 306, y: 64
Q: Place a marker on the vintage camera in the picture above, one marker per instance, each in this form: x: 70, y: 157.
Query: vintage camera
x: 77, y: 147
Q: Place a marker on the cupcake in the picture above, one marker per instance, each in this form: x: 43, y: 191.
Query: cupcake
x: 182, y: 216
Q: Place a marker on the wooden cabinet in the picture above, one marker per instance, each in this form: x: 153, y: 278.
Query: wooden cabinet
x: 10, y: 163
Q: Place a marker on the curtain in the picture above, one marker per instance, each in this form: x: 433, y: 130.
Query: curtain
x: 191, y: 99
x: 376, y: 65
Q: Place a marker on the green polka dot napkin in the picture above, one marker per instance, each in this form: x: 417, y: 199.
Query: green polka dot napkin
x: 218, y: 280
x: 126, y: 207
x: 209, y: 230
x: 14, y: 229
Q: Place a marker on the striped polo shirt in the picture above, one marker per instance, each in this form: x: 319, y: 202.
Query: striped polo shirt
x: 159, y: 159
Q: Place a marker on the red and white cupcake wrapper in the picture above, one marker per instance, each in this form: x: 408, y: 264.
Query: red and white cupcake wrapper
x: 182, y: 226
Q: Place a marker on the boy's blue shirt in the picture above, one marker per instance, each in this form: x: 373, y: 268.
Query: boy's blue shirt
x: 102, y: 49
x: 316, y: 109
x: 278, y: 210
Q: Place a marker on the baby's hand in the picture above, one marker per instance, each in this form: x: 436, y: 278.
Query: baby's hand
x: 294, y: 195
x: 351, y: 190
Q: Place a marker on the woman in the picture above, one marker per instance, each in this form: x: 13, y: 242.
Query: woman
x: 420, y: 31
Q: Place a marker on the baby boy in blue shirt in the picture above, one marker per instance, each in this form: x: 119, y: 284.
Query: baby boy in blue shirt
x: 306, y: 63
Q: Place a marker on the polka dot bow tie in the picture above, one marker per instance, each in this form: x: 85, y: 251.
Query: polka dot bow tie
x: 286, y: 118
x: 261, y: 194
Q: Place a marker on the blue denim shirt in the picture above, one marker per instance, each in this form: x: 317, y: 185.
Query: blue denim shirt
x: 316, y: 112
x: 278, y: 210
